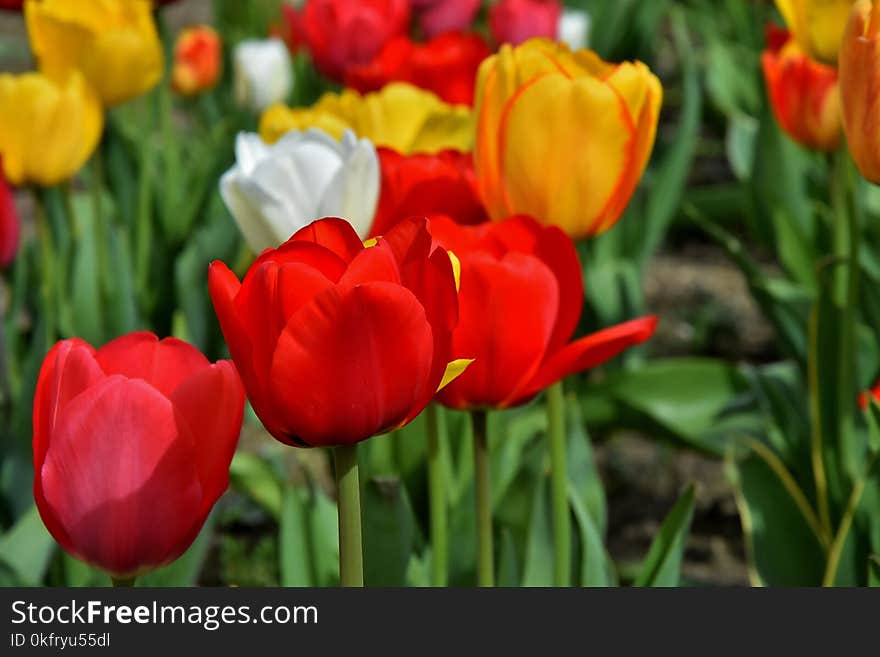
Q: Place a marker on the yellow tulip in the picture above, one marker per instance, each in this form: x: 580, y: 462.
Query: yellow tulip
x: 562, y: 136
x: 48, y: 129
x: 399, y: 116
x: 817, y: 25
x: 859, y: 87
x: 113, y: 42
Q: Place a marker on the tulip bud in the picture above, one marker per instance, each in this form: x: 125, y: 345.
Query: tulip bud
x: 132, y: 446
x: 859, y: 69
x: 563, y: 137
x: 262, y: 72
x: 574, y: 28
x: 198, y: 57
x: 9, y: 222
x: 337, y: 341
x: 48, y: 129
x: 439, y: 16
x: 274, y: 190
x: 817, y: 25
x: 113, y: 42
x: 803, y: 93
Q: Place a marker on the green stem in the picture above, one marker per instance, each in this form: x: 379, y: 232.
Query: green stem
x: 105, y: 277
x: 817, y: 456
x: 559, y: 485
x: 143, y: 236
x: 47, y: 267
x: 483, y: 494
x: 437, y: 494
x: 351, y: 551
x: 122, y: 582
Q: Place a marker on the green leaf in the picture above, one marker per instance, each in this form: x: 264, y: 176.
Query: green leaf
x: 582, y: 471
x: 508, y: 564
x: 596, y: 566
x: 874, y: 570
x: 538, y: 569
x: 25, y: 551
x: 324, y: 534
x: 389, y: 529
x: 256, y: 478
x: 662, y: 566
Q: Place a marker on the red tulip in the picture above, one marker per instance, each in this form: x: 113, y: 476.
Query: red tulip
x: 446, y: 65
x: 521, y: 297
x: 343, y: 33
x: 289, y: 29
x: 11, y: 5
x: 515, y: 21
x: 425, y: 185
x: 132, y: 446
x: 438, y: 16
x: 9, y: 222
x: 335, y: 341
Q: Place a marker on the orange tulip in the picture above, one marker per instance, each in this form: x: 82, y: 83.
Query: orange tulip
x: 859, y: 64
x: 198, y: 55
x: 803, y: 92
x: 562, y: 136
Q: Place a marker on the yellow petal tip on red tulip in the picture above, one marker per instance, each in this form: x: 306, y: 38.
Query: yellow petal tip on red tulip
x: 551, y: 123
x: 818, y: 25
x: 454, y: 370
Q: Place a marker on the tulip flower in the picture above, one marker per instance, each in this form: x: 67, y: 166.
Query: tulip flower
x: 803, y: 93
x: 516, y: 21
x: 274, y: 190
x: 11, y: 5
x: 9, y: 222
x: 446, y: 65
x: 262, y: 72
x: 337, y: 341
x: 427, y: 185
x: 859, y: 69
x: 573, y: 28
x: 132, y: 446
x: 198, y: 60
x: 341, y: 33
x: 505, y: 267
x: 563, y: 137
x: 817, y: 25
x: 113, y: 42
x: 439, y: 16
x: 48, y: 129
x: 400, y: 116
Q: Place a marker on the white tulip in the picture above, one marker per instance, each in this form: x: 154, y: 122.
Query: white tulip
x: 574, y: 28
x: 263, y: 73
x: 274, y: 190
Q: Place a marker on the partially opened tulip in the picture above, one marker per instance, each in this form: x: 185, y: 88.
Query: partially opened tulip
x: 48, y: 128
x: 262, y: 73
x: 439, y: 16
x: 198, y: 60
x: 341, y: 33
x: 446, y: 65
x: 338, y: 341
x: 859, y: 69
x: 507, y: 266
x: 399, y: 116
x: 9, y: 222
x: 803, y: 93
x: 516, y: 21
x: 817, y: 25
x: 426, y: 185
x: 113, y: 42
x: 132, y: 446
x: 274, y: 190
x: 563, y: 136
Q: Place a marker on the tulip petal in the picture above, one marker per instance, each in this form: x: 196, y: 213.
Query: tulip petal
x: 376, y: 263
x: 352, y: 363
x: 120, y: 477
x: 335, y: 234
x: 508, y: 312
x: 557, y: 251
x: 353, y: 192
x: 589, y: 352
x: 164, y: 364
x: 210, y: 404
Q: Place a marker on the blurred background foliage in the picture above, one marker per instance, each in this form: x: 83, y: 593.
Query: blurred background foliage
x: 697, y: 465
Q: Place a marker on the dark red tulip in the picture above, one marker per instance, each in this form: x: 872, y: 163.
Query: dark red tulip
x: 515, y: 21
x: 439, y: 16
x: 11, y: 5
x: 132, y: 446
x: 520, y: 301
x: 425, y: 185
x: 335, y: 341
x: 446, y: 65
x: 9, y: 222
x: 344, y: 33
